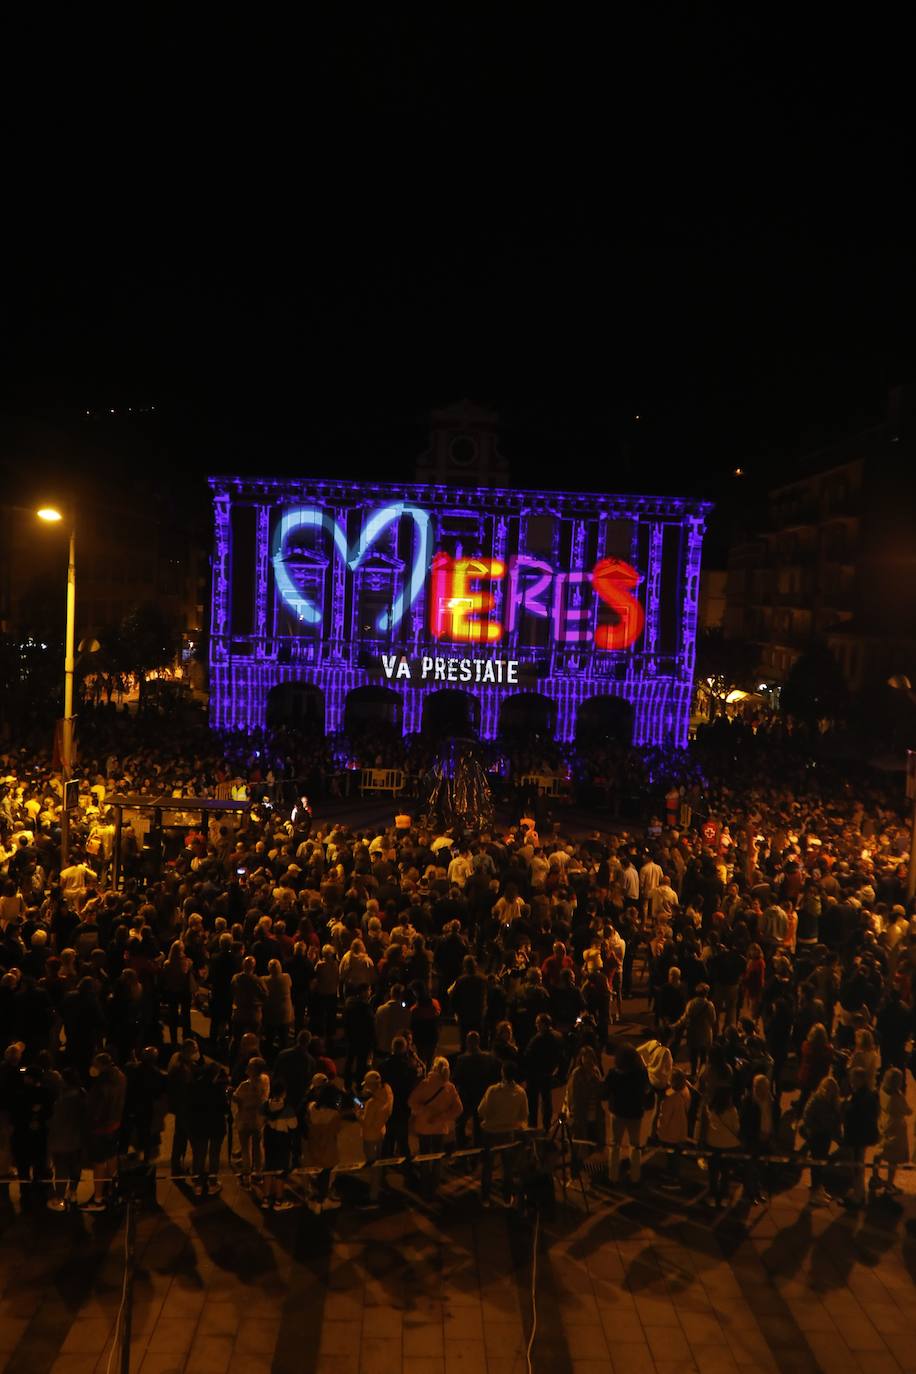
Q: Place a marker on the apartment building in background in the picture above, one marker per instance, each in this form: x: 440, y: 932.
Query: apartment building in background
x: 832, y: 558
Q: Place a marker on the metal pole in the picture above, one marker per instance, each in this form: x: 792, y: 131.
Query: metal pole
x: 127, y: 1315
x: 66, y: 743
x: 116, y: 856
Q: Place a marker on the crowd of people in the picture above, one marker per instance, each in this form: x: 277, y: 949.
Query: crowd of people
x: 281, y: 985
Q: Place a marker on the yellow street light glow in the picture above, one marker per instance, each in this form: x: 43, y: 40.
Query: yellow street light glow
x: 50, y: 514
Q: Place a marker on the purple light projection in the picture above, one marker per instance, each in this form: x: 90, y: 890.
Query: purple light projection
x: 313, y: 581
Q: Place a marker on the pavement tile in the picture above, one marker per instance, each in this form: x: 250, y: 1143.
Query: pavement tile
x: 171, y: 1335
x: 87, y: 1337
x: 339, y: 1338
x: 700, y: 1329
x: 210, y: 1355
x: 827, y: 1349
x: 426, y: 1364
x: 344, y: 1306
x: 157, y: 1362
x: 587, y: 1342
x: 12, y: 1330
x: 656, y: 1312
x: 328, y: 1364
x: 219, y: 1319
x: 903, y: 1349
x: 888, y: 1317
x: 70, y: 1364
x: 622, y: 1328
x: 668, y: 1343
x: 242, y: 1363
x: 714, y: 1359
x: 809, y: 1314
x: 872, y: 1362
x: 382, y: 1323
x: 256, y: 1336
x: 425, y: 1340
x: 464, y: 1322
x: 631, y: 1358
x: 465, y: 1356
x: 379, y: 1356
x: 503, y: 1339
x: 860, y: 1335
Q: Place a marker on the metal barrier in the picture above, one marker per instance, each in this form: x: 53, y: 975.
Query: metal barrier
x: 560, y: 789
x: 381, y: 780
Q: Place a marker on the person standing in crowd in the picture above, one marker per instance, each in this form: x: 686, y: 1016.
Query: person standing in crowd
x: 176, y: 989
x: 626, y: 1089
x: 698, y: 1025
x: 893, y: 1142
x: 860, y: 1130
x: 208, y: 1102
x: 373, y: 1113
x: 584, y: 1103
x: 249, y: 1098
x: 672, y: 1124
x: 434, y: 1108
x: 821, y: 1127
x: 475, y: 1071
x: 248, y: 998
x: 104, y: 1111
x: 280, y: 1126
x: 401, y: 1071
x: 359, y: 1034
x: 468, y: 999
x: 179, y: 1076
x: 278, y: 1007
x: 325, y: 1122
x: 32, y: 1102
x: 503, y: 1117
x: 66, y: 1135
x: 543, y: 1060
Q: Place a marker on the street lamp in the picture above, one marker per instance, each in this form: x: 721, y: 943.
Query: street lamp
x: 52, y: 516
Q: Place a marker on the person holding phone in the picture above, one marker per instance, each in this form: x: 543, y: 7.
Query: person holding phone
x: 373, y: 1111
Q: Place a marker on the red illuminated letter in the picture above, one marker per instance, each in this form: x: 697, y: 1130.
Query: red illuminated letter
x: 614, y: 581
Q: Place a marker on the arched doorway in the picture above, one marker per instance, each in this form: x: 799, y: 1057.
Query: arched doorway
x: 605, y: 720
x: 450, y: 713
x: 295, y: 703
x: 527, y: 714
x: 372, y: 707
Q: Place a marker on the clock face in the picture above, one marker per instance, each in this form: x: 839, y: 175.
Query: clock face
x: 463, y: 451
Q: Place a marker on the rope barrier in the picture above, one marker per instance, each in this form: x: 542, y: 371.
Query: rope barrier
x: 694, y: 1151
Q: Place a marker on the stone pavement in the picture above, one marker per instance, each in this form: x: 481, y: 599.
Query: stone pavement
x: 642, y: 1285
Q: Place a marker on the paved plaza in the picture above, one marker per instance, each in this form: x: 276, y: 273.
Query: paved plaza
x: 641, y: 1285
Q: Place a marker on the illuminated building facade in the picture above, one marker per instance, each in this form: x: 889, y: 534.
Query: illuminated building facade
x: 338, y: 588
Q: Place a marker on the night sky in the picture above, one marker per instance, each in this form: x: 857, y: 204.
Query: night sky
x: 294, y: 249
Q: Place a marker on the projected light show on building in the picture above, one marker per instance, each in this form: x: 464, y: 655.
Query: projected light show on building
x: 334, y: 599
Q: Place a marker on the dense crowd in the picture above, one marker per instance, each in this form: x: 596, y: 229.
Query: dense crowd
x: 283, y: 982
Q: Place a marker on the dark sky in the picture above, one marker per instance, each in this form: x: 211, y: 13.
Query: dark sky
x: 293, y: 244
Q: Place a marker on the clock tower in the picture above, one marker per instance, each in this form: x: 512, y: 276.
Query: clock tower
x: 464, y: 448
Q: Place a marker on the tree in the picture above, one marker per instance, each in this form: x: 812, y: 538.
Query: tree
x: 108, y: 665
x: 146, y: 640
x: 815, y: 688
x: 725, y: 664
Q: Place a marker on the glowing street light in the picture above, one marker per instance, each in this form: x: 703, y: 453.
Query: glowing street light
x: 52, y: 516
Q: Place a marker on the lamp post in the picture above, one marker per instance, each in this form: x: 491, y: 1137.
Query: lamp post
x: 53, y: 516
